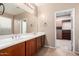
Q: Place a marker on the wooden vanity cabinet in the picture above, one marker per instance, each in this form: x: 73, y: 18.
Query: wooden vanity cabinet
x: 16, y: 50
x: 34, y: 45
x: 5, y: 52
x: 43, y: 40
x: 27, y: 48
x: 39, y: 43
x: 30, y: 47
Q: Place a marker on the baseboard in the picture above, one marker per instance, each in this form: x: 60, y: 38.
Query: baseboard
x: 55, y: 47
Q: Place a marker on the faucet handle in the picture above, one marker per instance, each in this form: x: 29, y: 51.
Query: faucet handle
x: 12, y: 37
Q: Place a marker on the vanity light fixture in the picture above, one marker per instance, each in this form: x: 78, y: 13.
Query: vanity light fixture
x: 29, y: 5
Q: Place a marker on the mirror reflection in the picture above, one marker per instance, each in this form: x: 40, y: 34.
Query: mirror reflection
x: 16, y: 19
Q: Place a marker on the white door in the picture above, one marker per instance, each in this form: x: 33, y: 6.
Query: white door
x: 24, y: 27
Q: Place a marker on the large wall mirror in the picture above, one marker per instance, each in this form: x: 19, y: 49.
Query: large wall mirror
x: 5, y: 25
x: 16, y: 20
x: 20, y: 26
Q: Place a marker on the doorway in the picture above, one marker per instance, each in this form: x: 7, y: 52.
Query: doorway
x: 64, y: 29
x: 23, y: 26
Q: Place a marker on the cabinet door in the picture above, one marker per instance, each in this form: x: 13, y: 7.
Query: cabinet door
x: 5, y: 52
x: 28, y: 48
x: 38, y: 43
x: 43, y: 40
x: 16, y: 50
x: 31, y: 47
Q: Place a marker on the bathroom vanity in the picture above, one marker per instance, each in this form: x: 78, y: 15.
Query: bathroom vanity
x: 25, y: 45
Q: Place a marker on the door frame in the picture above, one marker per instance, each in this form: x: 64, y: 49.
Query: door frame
x: 21, y: 25
x: 73, y: 27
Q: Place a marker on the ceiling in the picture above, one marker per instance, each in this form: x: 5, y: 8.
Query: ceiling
x: 41, y: 4
x: 13, y: 9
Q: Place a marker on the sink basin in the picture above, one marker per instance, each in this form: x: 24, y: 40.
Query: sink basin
x: 24, y: 36
x: 6, y: 40
x: 16, y: 37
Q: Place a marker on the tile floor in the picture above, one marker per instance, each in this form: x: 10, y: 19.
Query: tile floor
x: 64, y: 44
x: 54, y: 52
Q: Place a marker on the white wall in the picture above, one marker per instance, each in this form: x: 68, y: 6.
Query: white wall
x: 48, y: 10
